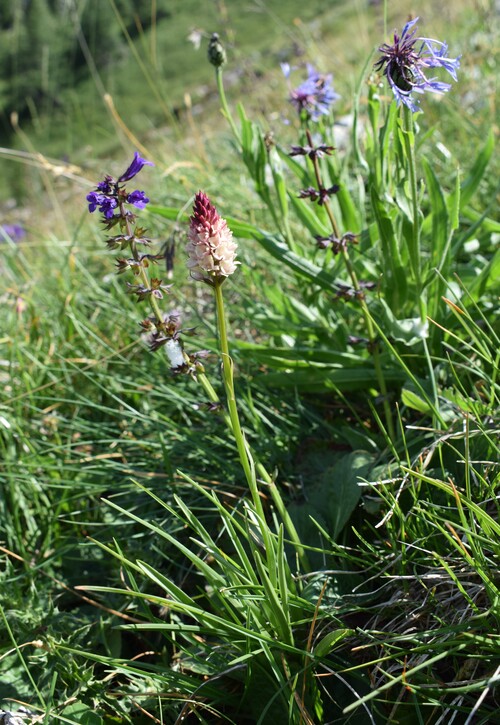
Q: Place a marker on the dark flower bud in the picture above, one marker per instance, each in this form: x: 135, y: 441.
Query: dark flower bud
x: 216, y: 52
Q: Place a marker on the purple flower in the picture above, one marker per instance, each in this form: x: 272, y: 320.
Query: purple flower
x: 134, y: 168
x: 106, y: 204
x: 110, y: 195
x: 405, y: 65
x: 315, y: 96
x: 14, y: 231
x: 106, y: 186
x: 138, y: 199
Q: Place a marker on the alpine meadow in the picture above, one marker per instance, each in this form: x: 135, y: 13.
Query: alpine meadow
x: 249, y: 362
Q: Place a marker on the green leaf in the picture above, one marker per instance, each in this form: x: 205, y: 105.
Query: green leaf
x: 329, y: 641
x: 338, y: 492
x: 394, y: 278
x: 438, y: 218
x: 410, y: 330
x: 279, y: 182
x: 329, y: 378
x: 350, y: 215
x: 309, y: 218
x: 81, y: 713
x: 254, y: 153
x: 476, y: 173
x: 487, y: 279
x: 414, y: 401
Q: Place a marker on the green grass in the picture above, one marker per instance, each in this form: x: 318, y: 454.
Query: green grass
x: 135, y: 583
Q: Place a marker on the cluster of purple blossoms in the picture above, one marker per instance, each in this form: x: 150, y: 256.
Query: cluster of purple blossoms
x: 110, y: 195
x: 315, y: 96
x: 406, y: 61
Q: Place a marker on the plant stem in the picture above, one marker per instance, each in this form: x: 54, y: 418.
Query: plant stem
x: 264, y: 475
x: 414, y: 247
x: 225, y: 107
x: 241, y: 444
x: 245, y: 455
x: 364, y: 307
x: 155, y: 307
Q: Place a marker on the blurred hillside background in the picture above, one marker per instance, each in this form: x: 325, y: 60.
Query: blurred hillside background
x: 78, y: 78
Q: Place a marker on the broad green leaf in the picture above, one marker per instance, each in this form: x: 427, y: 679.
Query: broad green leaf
x: 300, y: 170
x: 81, y: 713
x: 394, y: 277
x: 485, y: 223
x: 409, y: 330
x: 328, y: 378
x: 438, y: 218
x: 488, y: 279
x: 297, y: 357
x: 338, y: 492
x: 414, y: 401
x: 279, y: 181
x: 309, y: 217
x: 350, y: 215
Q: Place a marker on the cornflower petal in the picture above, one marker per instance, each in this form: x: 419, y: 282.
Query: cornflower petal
x: 315, y: 95
x: 404, y: 65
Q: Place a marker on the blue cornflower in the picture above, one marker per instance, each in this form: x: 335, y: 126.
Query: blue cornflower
x: 315, y: 95
x: 405, y: 65
x: 134, y: 168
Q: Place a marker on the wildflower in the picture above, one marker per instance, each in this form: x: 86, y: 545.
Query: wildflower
x: 14, y: 231
x: 138, y: 199
x: 211, y: 249
x: 137, y: 164
x: 105, y: 204
x: 315, y: 96
x: 405, y: 65
x: 110, y: 195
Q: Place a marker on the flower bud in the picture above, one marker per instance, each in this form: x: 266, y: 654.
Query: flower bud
x: 216, y: 52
